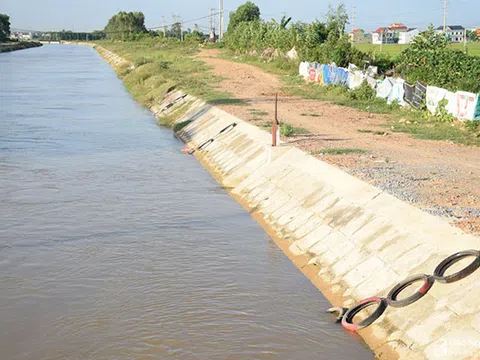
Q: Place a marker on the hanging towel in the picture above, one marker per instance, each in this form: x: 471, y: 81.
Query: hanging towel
x: 319, y: 78
x: 372, y: 82
x: 303, y: 69
x: 397, y: 92
x: 476, y: 116
x: 466, y: 105
x: 452, y: 103
x: 408, y: 89
x: 355, y: 79
x: 384, y: 88
x: 327, y: 77
x: 434, y: 96
x: 419, y: 94
x: 344, y: 76
x: 312, y: 74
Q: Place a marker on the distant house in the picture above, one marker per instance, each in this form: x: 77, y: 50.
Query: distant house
x: 358, y: 36
x: 455, y: 33
x: 406, y: 37
x: 389, y: 34
x: 383, y: 36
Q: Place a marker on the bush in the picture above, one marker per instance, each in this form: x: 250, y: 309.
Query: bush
x: 428, y: 59
x: 364, y: 92
x: 179, y: 126
x: 286, y: 129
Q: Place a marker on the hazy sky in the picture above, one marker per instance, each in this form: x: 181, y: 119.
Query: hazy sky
x: 87, y: 15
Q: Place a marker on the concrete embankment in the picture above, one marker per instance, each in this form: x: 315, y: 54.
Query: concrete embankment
x: 350, y: 238
x: 20, y: 45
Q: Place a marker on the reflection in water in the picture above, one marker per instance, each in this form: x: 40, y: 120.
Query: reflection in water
x: 114, y: 245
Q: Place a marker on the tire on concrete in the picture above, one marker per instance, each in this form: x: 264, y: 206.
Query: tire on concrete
x: 347, y: 321
x: 453, y: 259
x: 392, y: 300
x: 205, y: 144
x: 228, y: 128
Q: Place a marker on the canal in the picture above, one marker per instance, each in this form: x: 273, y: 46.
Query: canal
x: 115, y: 245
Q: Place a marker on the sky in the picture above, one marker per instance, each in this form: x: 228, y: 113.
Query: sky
x: 89, y: 15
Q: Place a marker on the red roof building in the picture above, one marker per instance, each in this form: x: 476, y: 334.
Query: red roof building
x: 397, y: 27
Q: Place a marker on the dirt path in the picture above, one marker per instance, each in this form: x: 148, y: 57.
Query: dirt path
x: 440, y: 177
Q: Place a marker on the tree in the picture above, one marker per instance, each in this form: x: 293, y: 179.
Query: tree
x: 125, y: 24
x: 244, y: 13
x: 337, y: 20
x: 4, y: 27
x: 177, y: 30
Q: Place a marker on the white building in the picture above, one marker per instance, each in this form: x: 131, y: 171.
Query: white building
x: 455, y: 33
x: 383, y: 35
x: 406, y: 37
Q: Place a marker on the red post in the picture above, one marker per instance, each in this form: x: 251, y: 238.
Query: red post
x: 275, y: 125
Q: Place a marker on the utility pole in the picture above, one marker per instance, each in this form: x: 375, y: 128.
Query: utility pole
x: 221, y: 20
x: 212, y: 25
x: 353, y: 25
x: 181, y: 30
x: 465, y: 40
x: 164, y: 27
x: 444, y: 16
x: 381, y: 42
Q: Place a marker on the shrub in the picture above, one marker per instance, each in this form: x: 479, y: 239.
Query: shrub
x: 179, y: 126
x: 429, y: 59
x: 286, y: 129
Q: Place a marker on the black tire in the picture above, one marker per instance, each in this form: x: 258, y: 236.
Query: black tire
x: 228, y: 128
x: 347, y: 321
x: 205, y: 144
x: 453, y: 259
x: 428, y: 281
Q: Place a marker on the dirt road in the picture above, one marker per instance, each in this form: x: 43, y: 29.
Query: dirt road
x: 440, y: 177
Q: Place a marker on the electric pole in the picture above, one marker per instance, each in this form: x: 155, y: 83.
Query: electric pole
x: 353, y: 19
x: 444, y: 16
x: 221, y: 20
x: 164, y: 27
x: 212, y: 25
x: 181, y: 30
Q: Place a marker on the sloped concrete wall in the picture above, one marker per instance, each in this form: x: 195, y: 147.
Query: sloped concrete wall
x: 362, y: 240
x: 358, y: 240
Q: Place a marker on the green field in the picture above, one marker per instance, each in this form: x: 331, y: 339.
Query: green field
x: 395, y: 49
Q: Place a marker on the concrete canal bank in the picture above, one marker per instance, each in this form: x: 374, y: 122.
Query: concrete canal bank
x: 19, y: 45
x: 351, y: 239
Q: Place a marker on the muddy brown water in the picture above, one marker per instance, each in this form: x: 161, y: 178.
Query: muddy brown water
x: 115, y: 245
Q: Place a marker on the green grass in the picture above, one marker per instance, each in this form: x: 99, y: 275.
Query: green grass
x: 258, y: 112
x: 339, y: 151
x: 290, y: 130
x: 363, y: 131
x: 395, y: 49
x: 166, y: 64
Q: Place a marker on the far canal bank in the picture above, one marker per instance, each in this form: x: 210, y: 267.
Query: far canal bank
x: 18, y: 45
